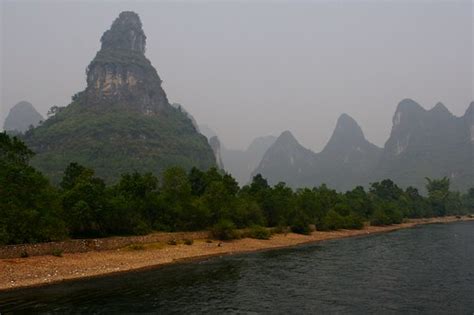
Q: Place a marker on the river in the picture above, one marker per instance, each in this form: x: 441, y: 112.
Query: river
x: 428, y: 269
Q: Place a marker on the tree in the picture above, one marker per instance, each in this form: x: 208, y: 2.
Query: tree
x: 29, y: 206
x: 83, y: 201
x: 386, y: 190
x: 439, y: 196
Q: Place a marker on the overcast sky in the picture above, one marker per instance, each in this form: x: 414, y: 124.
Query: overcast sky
x: 247, y: 68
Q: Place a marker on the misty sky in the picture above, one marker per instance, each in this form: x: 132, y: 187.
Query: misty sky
x: 249, y: 69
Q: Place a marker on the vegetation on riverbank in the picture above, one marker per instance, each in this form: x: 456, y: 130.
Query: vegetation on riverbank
x: 32, y: 210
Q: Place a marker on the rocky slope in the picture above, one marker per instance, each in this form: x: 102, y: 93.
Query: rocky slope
x: 21, y: 117
x: 123, y: 120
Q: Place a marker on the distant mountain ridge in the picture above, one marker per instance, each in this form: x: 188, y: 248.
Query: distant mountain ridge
x: 428, y: 143
x: 238, y: 163
x: 122, y: 121
x: 423, y: 143
x: 241, y: 163
x: 21, y: 117
x: 343, y: 163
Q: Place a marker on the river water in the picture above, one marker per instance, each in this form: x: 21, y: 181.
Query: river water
x: 427, y: 269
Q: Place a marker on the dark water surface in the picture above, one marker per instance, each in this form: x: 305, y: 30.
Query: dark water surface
x: 428, y: 269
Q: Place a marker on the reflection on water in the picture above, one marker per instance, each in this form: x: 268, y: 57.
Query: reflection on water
x: 429, y: 269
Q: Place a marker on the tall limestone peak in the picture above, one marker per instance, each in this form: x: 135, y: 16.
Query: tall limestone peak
x: 346, y: 135
x: 348, y: 157
x: 122, y: 121
x: 427, y: 143
x: 439, y: 108
x: 286, y: 139
x: 120, y: 74
x: 408, y: 112
x: 409, y: 105
x: 21, y: 117
x: 286, y: 160
x: 125, y: 34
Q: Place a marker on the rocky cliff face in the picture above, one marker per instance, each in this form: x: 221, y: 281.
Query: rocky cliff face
x: 21, y: 117
x: 120, y: 72
x: 122, y: 121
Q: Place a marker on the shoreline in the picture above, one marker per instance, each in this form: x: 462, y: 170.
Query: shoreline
x: 38, y: 271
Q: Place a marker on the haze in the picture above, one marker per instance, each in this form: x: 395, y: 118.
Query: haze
x: 249, y: 69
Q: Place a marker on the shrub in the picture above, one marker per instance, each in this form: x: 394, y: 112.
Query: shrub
x: 57, y: 252
x: 301, y: 229
x: 353, y: 221
x: 279, y: 229
x: 379, y: 218
x: 224, y: 230
x: 333, y: 221
x: 188, y: 241
x: 172, y: 242
x: 24, y: 254
x: 300, y: 223
x: 259, y: 232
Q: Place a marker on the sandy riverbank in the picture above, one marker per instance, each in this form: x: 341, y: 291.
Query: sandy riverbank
x: 42, y: 270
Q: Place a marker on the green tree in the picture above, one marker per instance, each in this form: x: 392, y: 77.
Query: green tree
x: 438, y: 194
x: 83, y: 201
x: 29, y: 206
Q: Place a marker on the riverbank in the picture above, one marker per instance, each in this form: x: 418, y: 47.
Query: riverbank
x: 48, y: 269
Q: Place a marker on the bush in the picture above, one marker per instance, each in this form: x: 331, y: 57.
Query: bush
x: 24, y: 254
x: 57, y: 252
x: 259, y: 232
x: 172, y: 242
x: 301, y: 229
x: 354, y: 222
x: 279, y: 229
x: 224, y: 230
x: 188, y: 241
x: 380, y: 218
x: 333, y: 221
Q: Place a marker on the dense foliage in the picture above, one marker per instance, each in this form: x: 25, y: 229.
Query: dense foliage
x: 32, y: 210
x: 115, y: 140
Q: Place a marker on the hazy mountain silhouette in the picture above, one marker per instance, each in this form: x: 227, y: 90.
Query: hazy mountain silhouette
x: 21, y: 117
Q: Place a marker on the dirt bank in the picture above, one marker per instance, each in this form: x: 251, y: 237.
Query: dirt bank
x: 46, y: 269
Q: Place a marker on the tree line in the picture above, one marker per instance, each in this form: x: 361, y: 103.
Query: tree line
x: 33, y: 210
